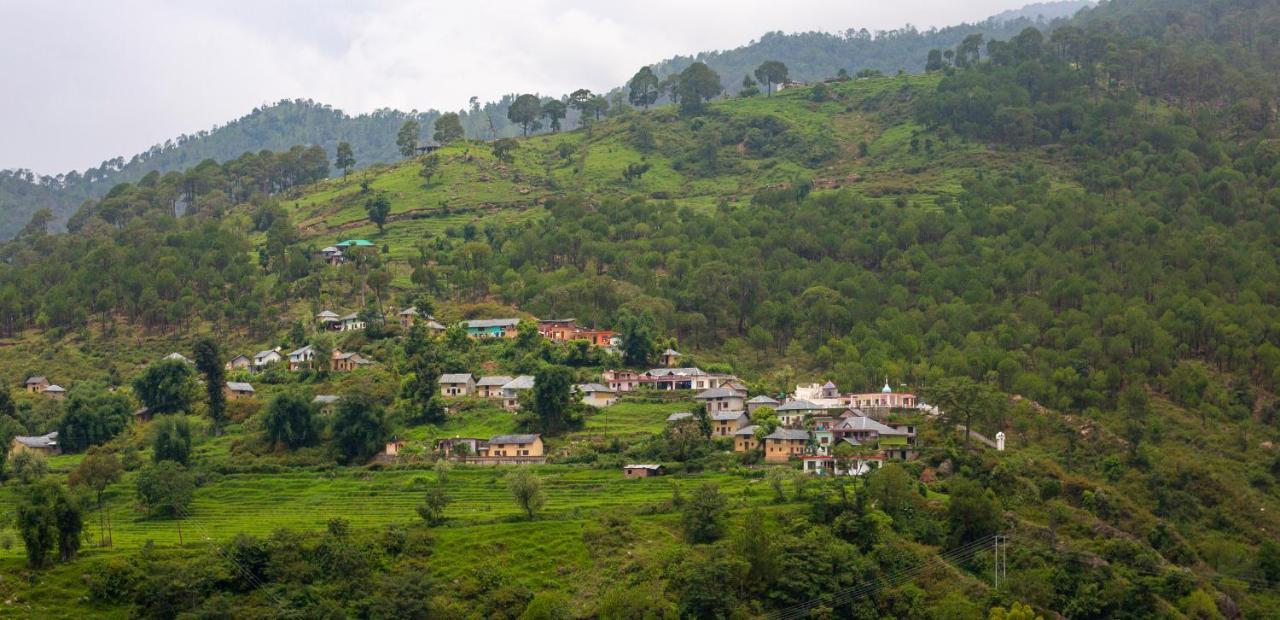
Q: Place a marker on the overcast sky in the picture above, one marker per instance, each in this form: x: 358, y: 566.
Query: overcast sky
x: 89, y: 80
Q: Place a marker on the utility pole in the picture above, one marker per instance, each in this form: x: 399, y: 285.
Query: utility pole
x: 1001, y: 556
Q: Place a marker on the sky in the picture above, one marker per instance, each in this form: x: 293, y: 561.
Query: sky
x: 88, y: 80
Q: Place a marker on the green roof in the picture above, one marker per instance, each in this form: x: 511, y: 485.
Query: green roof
x: 893, y: 441
x: 356, y: 242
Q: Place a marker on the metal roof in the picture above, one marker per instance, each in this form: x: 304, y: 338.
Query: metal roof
x: 516, y: 439
x: 458, y: 377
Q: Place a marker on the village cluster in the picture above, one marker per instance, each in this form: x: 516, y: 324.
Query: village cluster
x: 812, y: 421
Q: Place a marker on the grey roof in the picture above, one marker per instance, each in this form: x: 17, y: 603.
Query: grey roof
x: 516, y: 439
x: 240, y: 357
x: 715, y: 393
x: 679, y: 415
x: 49, y: 440
x: 788, y: 433
x: 481, y: 323
x: 330, y: 250
x: 350, y: 317
x: 683, y: 372
x: 523, y: 382
x: 592, y: 388
x: 239, y: 386
x: 458, y: 377
x: 326, y: 314
x: 326, y: 399
x: 410, y: 311
x: 266, y: 353
x: 37, y: 379
x: 749, y: 429
x: 797, y: 405
x: 344, y: 356
x: 762, y: 400
x: 671, y: 352
x: 498, y: 380
x: 55, y: 388
x: 302, y: 351
x: 653, y: 466
x: 722, y: 416
x: 860, y: 423
x: 434, y: 325
x: 829, y: 385
x: 177, y: 356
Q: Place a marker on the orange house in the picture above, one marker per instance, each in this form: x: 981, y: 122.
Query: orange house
x: 785, y: 444
x: 516, y: 446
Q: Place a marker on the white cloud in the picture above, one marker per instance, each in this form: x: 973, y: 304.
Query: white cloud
x: 90, y: 80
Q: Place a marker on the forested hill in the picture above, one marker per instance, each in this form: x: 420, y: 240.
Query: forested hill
x: 818, y: 55
x: 285, y: 124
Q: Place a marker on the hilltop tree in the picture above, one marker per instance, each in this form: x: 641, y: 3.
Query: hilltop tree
x: 378, y: 209
x: 166, y: 386
x: 99, y: 470
x: 92, y: 416
x: 643, y: 88
x: 749, y: 87
x: 344, y: 158
x: 448, y: 128
x: 580, y: 100
x: 171, y: 439
x: 771, y: 73
x: 696, y: 85
x: 208, y: 361
x: 407, y: 138
x: 554, y: 111
x: 290, y: 420
x: 430, y: 166
x: 504, y: 148
x: 359, y: 427
x: 526, y: 488
x: 524, y: 111
x: 962, y: 399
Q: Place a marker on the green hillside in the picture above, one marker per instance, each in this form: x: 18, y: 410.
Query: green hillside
x: 1058, y: 237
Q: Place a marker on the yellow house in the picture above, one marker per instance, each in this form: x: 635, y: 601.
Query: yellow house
x: 516, y: 446
x: 744, y: 439
x: 726, y: 423
x: 784, y: 444
x: 42, y: 444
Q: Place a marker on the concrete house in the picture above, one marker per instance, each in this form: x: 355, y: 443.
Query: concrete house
x: 46, y: 444
x: 669, y: 358
x: 325, y: 403
x: 240, y: 362
x: 621, y: 380
x: 262, y: 359
x: 721, y: 399
x: 302, y: 359
x: 462, y: 446
x: 36, y: 384
x: 761, y: 401
x: 792, y: 413
x: 236, y: 390
x: 672, y: 378
x: 512, y: 389
x: 457, y: 384
x: 726, y: 423
x: 326, y: 318
x: 349, y: 322
x: 347, y: 362
x: 784, y: 444
x: 56, y: 392
x: 643, y: 470
x: 597, y: 395
x: 408, y: 317
x: 564, y: 330
x: 491, y: 328
x: 516, y: 449
x: 491, y: 386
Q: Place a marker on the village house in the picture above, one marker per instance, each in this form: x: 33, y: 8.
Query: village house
x: 262, y: 359
x: 302, y: 359
x: 410, y: 317
x: 761, y: 401
x: 240, y: 362
x: 822, y: 465
x: 325, y: 403
x: 669, y: 358
x: 346, y: 362
x: 744, y: 439
x: 726, y: 423
x: 462, y: 446
x: 883, y: 400
x: 491, y: 328
x: 354, y: 243
x: 46, y: 444
x: 643, y: 470
x: 56, y: 392
x: 326, y: 318
x: 671, y: 378
x: 491, y: 386
x: 784, y: 444
x: 457, y: 384
x: 513, y: 449
x: 349, y: 322
x: 792, y: 413
x: 621, y: 380
x: 720, y: 399
x: 393, y: 448
x: 596, y: 395
x: 236, y: 390
x: 825, y: 395
x: 511, y: 391
x: 36, y: 384
x: 892, y: 442
x: 332, y: 255
x: 564, y: 330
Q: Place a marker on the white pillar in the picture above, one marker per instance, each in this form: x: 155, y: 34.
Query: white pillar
x: 1000, y: 441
